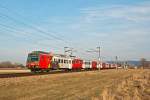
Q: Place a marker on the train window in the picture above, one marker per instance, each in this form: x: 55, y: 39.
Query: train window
x: 58, y: 60
x: 42, y: 58
x: 66, y: 61
x: 61, y: 60
x: 87, y: 63
x: 69, y: 61
x: 80, y: 61
x: 76, y: 61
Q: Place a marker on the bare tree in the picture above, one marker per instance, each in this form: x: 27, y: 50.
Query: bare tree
x: 8, y: 64
x: 143, y: 63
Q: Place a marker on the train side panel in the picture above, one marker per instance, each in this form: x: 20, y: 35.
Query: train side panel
x: 103, y: 65
x: 94, y: 64
x: 77, y: 64
x: 45, y: 61
x: 113, y: 66
x: 65, y: 63
x: 88, y: 65
x: 107, y: 65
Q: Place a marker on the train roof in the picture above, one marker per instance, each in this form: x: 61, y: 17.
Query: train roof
x: 37, y: 52
x: 56, y: 55
x: 63, y: 56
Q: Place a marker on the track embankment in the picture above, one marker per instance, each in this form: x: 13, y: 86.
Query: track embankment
x: 25, y: 74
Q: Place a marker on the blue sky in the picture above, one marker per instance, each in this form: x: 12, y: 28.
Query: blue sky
x: 120, y: 27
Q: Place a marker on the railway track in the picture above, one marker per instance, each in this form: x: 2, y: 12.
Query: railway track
x: 12, y: 75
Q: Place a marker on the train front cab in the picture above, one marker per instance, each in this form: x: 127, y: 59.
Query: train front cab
x: 39, y: 62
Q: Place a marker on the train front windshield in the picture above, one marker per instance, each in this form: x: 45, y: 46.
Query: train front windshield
x: 32, y: 58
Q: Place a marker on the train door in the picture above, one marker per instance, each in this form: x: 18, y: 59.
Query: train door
x: 77, y: 64
x: 87, y: 65
x: 61, y: 61
x: 55, y: 63
x: 103, y: 65
x: 83, y: 66
x: 90, y: 64
x: 107, y: 65
x: 66, y: 66
x: 69, y: 63
x: 45, y: 61
x: 94, y: 65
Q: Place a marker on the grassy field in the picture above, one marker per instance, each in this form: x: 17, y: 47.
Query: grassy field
x: 92, y: 85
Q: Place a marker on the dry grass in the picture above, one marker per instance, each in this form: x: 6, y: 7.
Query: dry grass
x: 133, y: 87
x: 93, y: 85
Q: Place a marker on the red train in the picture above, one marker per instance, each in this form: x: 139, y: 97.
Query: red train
x: 43, y: 61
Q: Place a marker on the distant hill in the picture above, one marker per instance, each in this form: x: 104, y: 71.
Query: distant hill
x: 131, y: 62
x: 136, y: 63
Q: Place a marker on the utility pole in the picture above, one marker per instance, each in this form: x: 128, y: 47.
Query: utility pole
x: 65, y: 50
x: 99, y: 59
x: 68, y: 49
x: 71, y: 51
x: 99, y: 55
x: 116, y: 62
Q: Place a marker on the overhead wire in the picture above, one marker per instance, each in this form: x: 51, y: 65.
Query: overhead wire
x: 47, y: 34
x: 14, y: 30
x: 41, y: 35
x: 35, y: 43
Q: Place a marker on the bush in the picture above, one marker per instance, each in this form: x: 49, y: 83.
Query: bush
x: 8, y: 64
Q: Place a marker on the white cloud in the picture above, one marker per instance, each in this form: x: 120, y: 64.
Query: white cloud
x: 121, y: 29
x: 140, y: 12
